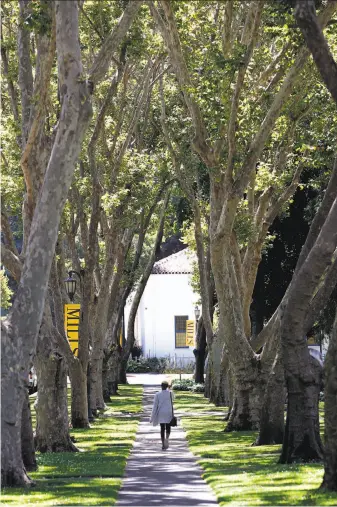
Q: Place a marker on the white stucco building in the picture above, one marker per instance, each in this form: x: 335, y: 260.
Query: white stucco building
x: 167, y: 304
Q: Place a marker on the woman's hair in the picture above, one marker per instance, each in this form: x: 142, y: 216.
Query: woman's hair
x: 164, y: 384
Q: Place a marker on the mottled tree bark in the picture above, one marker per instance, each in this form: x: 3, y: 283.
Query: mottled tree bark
x: 245, y: 413
x: 52, y: 423
x: 79, y: 398
x: 271, y: 429
x: 302, y: 439
x: 27, y: 437
x: 227, y: 188
x: 20, y: 330
x: 307, y: 20
x: 330, y: 415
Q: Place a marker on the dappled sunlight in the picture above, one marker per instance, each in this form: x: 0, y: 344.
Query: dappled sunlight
x: 242, y: 474
x: 92, y: 476
x: 156, y: 477
x: 64, y: 492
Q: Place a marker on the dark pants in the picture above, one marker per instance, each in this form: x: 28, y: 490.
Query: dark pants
x: 164, y: 426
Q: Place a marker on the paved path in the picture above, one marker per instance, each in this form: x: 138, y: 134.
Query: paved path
x: 162, y: 478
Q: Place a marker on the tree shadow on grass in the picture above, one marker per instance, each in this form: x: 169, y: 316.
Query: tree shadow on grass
x: 78, y: 491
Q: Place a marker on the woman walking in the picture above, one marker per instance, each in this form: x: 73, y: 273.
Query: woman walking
x: 162, y: 413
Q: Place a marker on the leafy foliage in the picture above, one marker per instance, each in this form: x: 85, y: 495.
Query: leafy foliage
x: 5, y: 292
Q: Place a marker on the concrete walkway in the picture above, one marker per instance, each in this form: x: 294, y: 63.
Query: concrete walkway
x: 156, y: 477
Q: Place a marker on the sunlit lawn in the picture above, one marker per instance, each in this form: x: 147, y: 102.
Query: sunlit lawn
x: 94, y: 475
x: 241, y: 474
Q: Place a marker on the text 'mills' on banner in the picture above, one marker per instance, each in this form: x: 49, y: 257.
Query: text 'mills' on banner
x: 72, y: 324
x: 190, y: 333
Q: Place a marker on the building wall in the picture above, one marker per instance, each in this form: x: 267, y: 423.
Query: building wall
x: 165, y: 296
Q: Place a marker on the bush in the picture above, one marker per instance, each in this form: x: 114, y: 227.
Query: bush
x: 157, y: 365
x: 182, y: 385
x: 146, y: 365
x: 136, y: 351
x: 198, y: 388
x: 137, y: 366
x: 187, y: 385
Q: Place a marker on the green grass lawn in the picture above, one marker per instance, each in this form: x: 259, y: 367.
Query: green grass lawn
x: 241, y: 474
x: 94, y: 475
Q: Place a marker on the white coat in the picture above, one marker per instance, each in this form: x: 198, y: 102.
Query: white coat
x: 162, y: 408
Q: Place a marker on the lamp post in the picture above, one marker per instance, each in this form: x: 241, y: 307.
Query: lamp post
x: 71, y: 284
x: 197, y: 313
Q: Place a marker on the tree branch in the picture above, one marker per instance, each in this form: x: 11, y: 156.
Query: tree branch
x: 25, y: 70
x: 11, y: 89
x: 45, y: 62
x: 226, y: 33
x: 143, y: 281
x: 104, y: 57
x: 144, y: 90
x: 320, y: 299
x: 268, y: 123
x: 7, y: 232
x: 306, y: 18
x: 320, y: 217
x: 11, y: 262
x: 256, y: 8
x: 172, y: 42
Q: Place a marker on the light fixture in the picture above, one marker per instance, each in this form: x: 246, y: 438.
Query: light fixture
x: 197, y: 312
x: 70, y: 284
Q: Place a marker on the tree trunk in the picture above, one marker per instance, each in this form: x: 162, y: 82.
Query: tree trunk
x: 99, y: 386
x: 13, y: 392
x: 122, y: 371
x: 200, y: 357
x: 302, y: 441
x: 79, y: 397
x: 214, y: 369
x: 208, y: 371
x: 110, y: 375
x: 245, y: 413
x: 52, y: 424
x: 27, y: 437
x: 105, y: 381
x: 272, y: 410
x: 330, y: 415
x: 200, y: 353
x: 230, y: 392
x: 96, y: 387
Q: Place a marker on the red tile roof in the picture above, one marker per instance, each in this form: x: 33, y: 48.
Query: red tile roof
x: 178, y: 263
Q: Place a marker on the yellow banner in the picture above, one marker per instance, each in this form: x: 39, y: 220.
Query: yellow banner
x: 71, y: 325
x: 190, y: 333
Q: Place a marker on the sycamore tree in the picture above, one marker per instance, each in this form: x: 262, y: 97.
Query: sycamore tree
x: 326, y: 242
x: 21, y: 328
x: 47, y: 170
x: 233, y: 120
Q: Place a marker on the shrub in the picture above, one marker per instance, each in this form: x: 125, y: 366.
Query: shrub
x: 182, y: 385
x: 146, y: 365
x: 187, y: 385
x: 139, y: 366
x: 136, y: 351
x: 157, y: 365
x: 198, y: 388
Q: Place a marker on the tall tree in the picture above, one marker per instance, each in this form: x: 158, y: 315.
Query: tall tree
x: 234, y: 162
